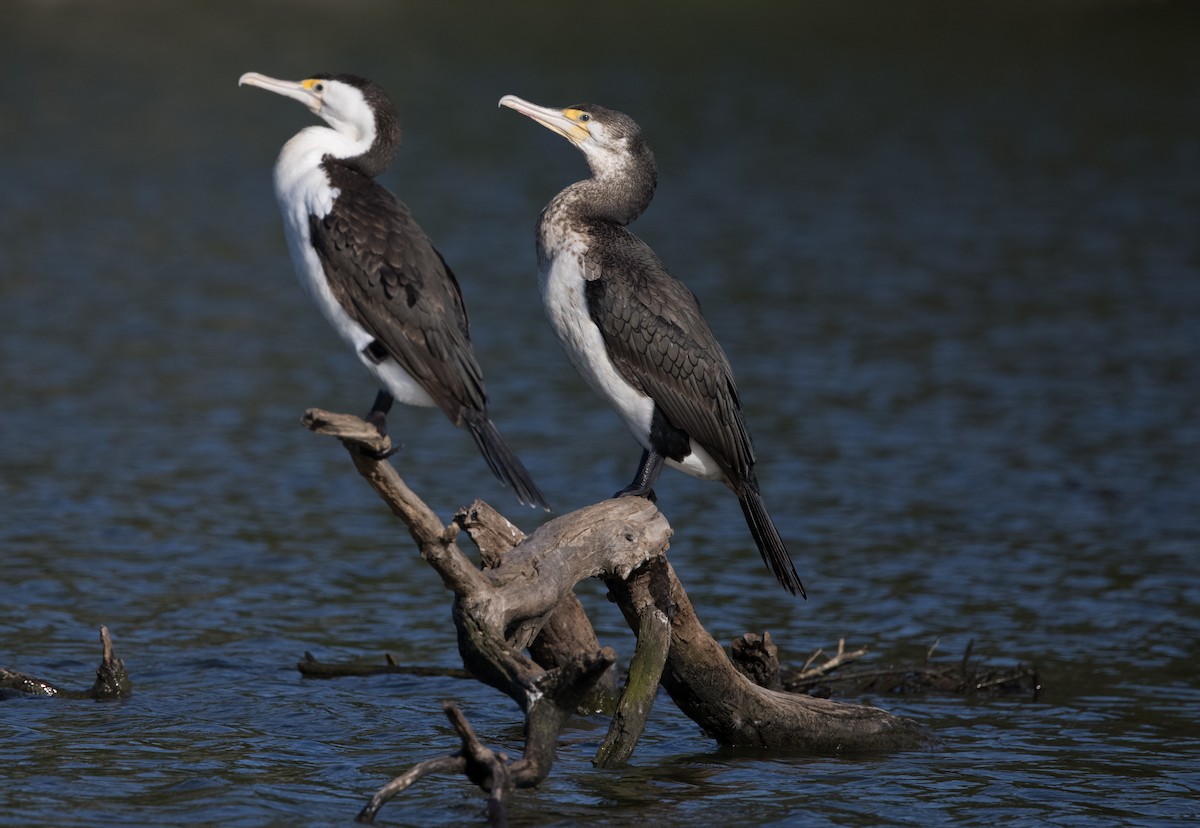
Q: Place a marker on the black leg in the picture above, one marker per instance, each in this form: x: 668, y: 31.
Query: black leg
x: 647, y: 474
x: 377, y: 417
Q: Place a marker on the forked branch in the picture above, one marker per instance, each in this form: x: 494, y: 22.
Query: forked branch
x: 523, y: 599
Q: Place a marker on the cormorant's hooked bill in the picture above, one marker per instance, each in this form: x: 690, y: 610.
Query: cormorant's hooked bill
x: 571, y: 123
x: 373, y: 272
x: 307, y: 92
x: 635, y: 332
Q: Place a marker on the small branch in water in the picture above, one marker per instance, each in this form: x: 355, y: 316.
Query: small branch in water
x: 310, y: 667
x: 455, y: 763
x: 831, y: 663
x: 15, y: 681
x: 963, y: 677
x: 112, y: 679
x: 485, y: 767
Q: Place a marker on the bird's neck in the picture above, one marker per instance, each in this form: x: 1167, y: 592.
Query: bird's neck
x: 367, y: 151
x: 303, y: 186
x: 616, y: 195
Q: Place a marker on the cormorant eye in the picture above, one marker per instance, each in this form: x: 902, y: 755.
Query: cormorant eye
x: 583, y: 116
x: 318, y: 87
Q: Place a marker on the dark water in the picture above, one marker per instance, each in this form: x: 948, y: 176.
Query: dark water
x: 952, y: 254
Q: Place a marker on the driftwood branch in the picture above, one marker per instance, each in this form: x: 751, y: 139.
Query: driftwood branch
x: 705, y: 685
x: 645, y: 672
x: 501, y: 610
x: 757, y: 658
x: 566, y: 631
x: 522, y: 599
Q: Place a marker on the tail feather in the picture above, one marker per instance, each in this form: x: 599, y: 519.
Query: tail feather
x: 770, y: 545
x: 502, y: 461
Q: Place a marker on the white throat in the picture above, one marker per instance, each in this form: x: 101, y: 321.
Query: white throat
x: 298, y: 175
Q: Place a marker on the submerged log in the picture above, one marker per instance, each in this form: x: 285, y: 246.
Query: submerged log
x: 705, y: 685
x: 523, y: 599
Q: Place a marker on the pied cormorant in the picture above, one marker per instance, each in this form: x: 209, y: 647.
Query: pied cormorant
x: 372, y: 270
x: 633, y: 330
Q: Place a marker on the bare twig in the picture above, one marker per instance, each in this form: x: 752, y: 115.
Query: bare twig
x: 841, y: 657
x: 961, y: 677
x: 455, y: 763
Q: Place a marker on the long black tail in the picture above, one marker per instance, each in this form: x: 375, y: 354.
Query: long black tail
x: 502, y: 461
x: 770, y: 545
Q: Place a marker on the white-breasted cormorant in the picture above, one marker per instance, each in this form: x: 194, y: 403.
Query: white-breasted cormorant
x: 633, y: 330
x: 372, y: 270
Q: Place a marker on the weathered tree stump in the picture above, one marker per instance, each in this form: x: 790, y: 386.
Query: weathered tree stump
x: 523, y: 598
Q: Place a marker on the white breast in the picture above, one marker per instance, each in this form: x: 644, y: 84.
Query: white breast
x: 562, y: 285
x: 303, y: 190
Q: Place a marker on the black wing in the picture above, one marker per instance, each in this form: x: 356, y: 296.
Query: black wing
x: 384, y: 270
x: 660, y: 342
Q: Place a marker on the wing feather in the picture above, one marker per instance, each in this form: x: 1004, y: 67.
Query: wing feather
x: 658, y: 339
x: 387, y: 274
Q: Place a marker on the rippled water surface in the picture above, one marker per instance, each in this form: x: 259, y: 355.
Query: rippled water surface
x: 953, y: 257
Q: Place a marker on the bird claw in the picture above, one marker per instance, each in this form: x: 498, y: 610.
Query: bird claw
x: 381, y: 454
x: 377, y: 417
x: 637, y: 491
